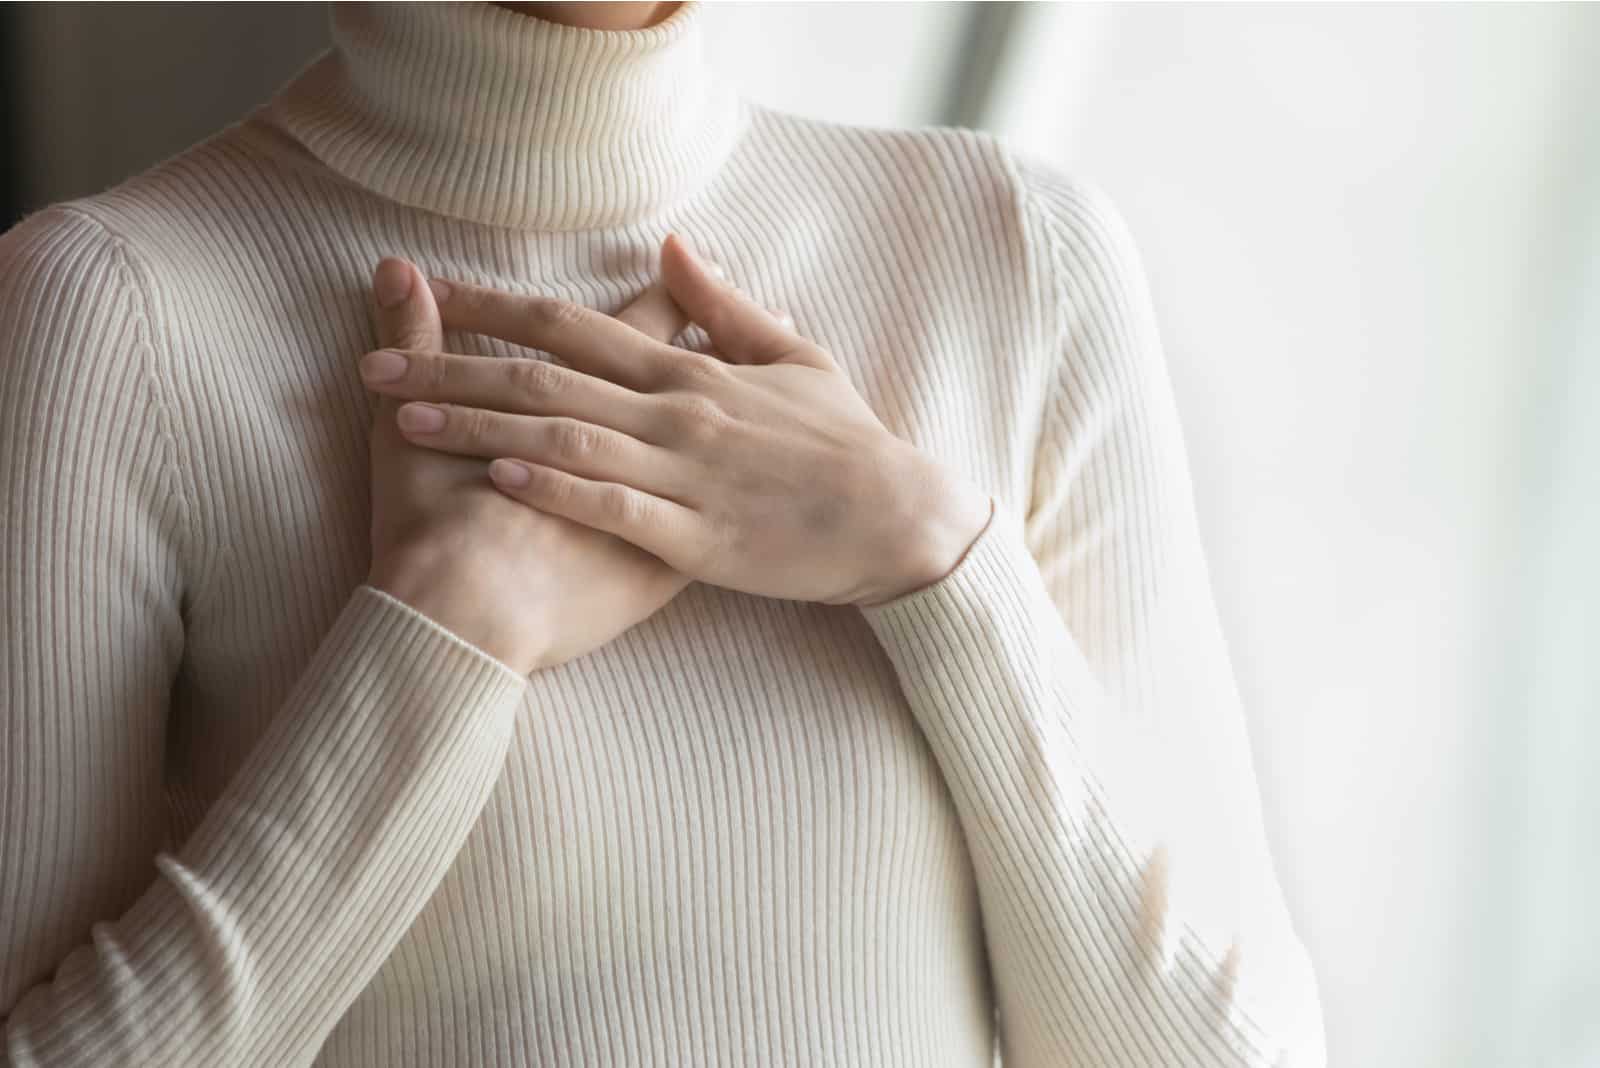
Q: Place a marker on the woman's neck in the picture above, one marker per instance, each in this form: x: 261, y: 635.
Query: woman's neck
x: 482, y: 113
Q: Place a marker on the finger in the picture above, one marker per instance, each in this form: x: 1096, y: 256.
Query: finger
x: 507, y: 384
x: 591, y: 341
x: 659, y: 526
x: 407, y: 315
x: 742, y: 330
x: 572, y: 446
x: 655, y: 314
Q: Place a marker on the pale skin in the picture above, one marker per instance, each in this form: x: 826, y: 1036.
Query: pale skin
x: 613, y: 15
x: 540, y: 510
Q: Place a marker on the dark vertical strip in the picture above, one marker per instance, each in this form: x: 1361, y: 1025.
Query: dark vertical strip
x: 990, y: 29
x: 10, y: 119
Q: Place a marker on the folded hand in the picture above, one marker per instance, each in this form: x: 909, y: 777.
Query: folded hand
x: 759, y: 468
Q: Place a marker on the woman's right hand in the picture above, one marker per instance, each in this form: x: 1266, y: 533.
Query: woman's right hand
x: 530, y: 589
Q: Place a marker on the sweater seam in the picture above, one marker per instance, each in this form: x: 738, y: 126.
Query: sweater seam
x: 1042, y: 283
x: 131, y: 273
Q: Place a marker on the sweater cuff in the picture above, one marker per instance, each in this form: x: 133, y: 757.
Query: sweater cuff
x: 996, y: 590
x: 381, y: 650
x: 456, y: 651
x: 989, y: 634
x: 386, y: 681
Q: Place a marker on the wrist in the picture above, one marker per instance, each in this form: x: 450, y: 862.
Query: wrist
x: 458, y: 595
x: 941, y: 517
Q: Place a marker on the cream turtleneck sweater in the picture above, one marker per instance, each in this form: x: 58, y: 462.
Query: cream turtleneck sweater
x: 256, y: 813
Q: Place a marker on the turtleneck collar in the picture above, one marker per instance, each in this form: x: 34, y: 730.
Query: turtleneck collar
x: 481, y: 113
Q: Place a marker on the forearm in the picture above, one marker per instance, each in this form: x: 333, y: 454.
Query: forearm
x: 263, y: 927
x: 1095, y: 963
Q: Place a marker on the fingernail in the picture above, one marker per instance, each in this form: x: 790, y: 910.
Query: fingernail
x: 716, y: 269
x: 441, y: 289
x: 420, y: 418
x: 784, y: 317
x: 509, y: 473
x: 391, y: 282
x: 383, y: 365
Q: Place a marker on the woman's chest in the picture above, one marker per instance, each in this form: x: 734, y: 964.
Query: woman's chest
x: 720, y: 708
x: 730, y: 799
x: 281, y: 464
x: 729, y: 795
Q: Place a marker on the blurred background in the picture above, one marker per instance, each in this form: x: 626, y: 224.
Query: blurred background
x: 1373, y: 236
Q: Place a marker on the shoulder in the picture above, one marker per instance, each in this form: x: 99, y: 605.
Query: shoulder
x: 956, y: 170
x: 51, y: 245
x: 151, y: 221
x: 1048, y: 230
x: 1069, y: 206
x: 923, y: 158
x: 942, y: 179
x: 123, y: 258
x: 64, y: 279
x: 1087, y: 251
x: 113, y: 225
x: 85, y: 288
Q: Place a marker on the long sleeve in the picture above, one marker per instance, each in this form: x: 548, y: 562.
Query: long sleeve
x: 246, y: 944
x: 1073, y: 682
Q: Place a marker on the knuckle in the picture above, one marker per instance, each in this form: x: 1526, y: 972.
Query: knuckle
x: 688, y: 370
x: 706, y: 544
x: 475, y: 425
x: 435, y: 373
x: 620, y: 506
x: 575, y: 440
x: 698, y: 544
x: 694, y: 418
x: 407, y: 338
x: 531, y: 380
x: 469, y: 298
x: 466, y: 305
x: 554, y: 313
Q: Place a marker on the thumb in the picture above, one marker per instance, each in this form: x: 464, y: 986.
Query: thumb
x: 407, y: 314
x: 742, y: 330
x: 406, y: 317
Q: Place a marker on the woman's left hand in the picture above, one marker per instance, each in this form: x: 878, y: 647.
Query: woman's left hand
x: 761, y: 471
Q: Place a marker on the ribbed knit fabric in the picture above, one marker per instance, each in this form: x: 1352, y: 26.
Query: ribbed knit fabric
x: 257, y: 813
